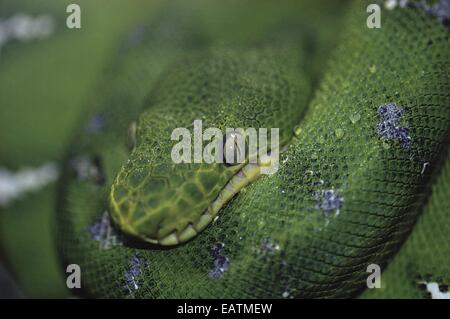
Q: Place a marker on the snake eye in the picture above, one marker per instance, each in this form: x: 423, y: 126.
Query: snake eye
x: 233, y: 148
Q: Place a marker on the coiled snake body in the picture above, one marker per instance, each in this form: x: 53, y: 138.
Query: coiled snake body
x: 350, y: 184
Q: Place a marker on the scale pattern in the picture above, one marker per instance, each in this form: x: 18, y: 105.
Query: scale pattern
x: 345, y: 196
x: 424, y: 257
x: 152, y: 196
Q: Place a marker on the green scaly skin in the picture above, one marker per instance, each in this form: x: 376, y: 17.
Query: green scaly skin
x: 278, y: 236
x: 165, y: 203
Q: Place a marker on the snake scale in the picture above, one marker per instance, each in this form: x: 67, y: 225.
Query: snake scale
x: 363, y: 135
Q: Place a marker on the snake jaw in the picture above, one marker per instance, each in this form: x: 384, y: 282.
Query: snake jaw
x: 248, y: 174
x: 242, y: 175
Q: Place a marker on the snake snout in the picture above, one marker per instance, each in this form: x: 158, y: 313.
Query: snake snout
x: 169, y: 205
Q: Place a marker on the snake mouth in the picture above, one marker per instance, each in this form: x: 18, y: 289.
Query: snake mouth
x: 245, y: 176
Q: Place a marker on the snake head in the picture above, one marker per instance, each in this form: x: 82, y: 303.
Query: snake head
x: 163, y: 202
x: 167, y: 203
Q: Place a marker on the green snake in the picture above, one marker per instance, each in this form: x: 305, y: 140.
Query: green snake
x: 361, y: 137
x: 166, y: 203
